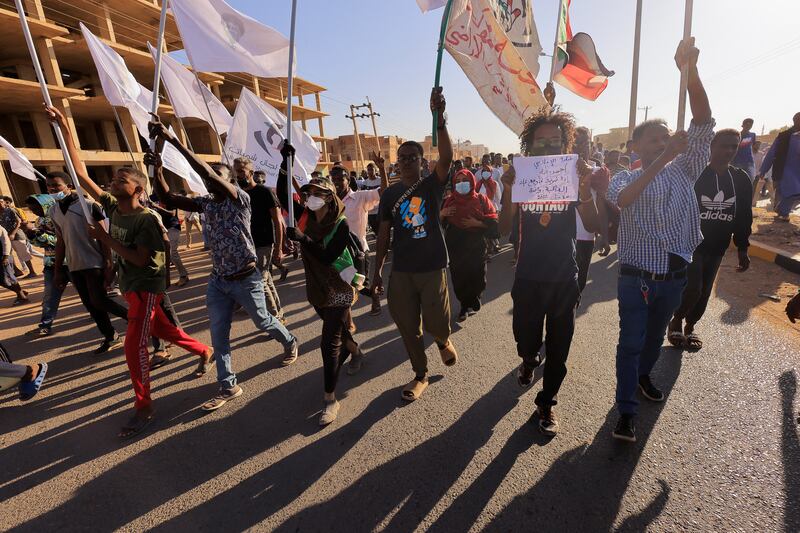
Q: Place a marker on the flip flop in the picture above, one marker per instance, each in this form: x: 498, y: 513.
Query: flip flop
x: 204, y: 365
x: 676, y: 338
x: 160, y: 359
x: 414, y: 390
x: 29, y: 389
x: 693, y: 342
x: 448, y: 353
x: 135, y: 425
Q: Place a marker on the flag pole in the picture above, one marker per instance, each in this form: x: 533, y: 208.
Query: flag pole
x: 210, y: 116
x: 439, y: 52
x: 180, y: 120
x: 162, y: 24
x: 687, y: 33
x: 637, y: 35
x: 289, y: 84
x: 124, y: 135
x: 550, y: 91
x: 46, y: 95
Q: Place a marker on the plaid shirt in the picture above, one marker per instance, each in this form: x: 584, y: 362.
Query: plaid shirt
x: 665, y: 218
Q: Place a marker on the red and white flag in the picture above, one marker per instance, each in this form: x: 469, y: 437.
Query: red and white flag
x: 578, y: 67
x: 478, y: 42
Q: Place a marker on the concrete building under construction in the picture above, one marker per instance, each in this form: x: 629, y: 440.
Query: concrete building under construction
x: 126, y: 26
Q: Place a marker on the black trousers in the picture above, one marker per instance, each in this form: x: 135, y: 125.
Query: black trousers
x: 540, y: 303
x: 699, y: 284
x: 90, y: 285
x: 469, y: 280
x: 583, y: 256
x: 374, y: 223
x: 336, y: 342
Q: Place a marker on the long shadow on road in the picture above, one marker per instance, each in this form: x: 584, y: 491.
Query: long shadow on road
x: 584, y: 488
x: 790, y: 451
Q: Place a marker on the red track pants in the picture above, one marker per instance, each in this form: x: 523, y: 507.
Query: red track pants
x: 146, y: 318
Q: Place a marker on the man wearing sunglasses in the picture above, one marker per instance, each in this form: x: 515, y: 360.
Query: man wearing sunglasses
x: 418, y: 285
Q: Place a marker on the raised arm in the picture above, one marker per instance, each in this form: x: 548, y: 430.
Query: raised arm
x: 86, y: 182
x: 169, y: 199
x: 445, y: 147
x: 686, y: 56
x: 158, y: 131
x: 381, y: 164
x: 586, y: 204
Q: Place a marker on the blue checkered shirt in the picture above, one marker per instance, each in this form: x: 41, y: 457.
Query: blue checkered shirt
x: 665, y: 218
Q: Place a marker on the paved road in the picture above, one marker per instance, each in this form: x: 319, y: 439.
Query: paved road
x: 722, y: 454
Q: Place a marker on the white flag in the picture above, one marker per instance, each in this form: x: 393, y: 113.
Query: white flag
x: 174, y: 161
x: 185, y: 94
x: 476, y: 40
x: 20, y: 164
x: 258, y: 132
x: 516, y: 19
x: 430, y: 5
x: 218, y: 38
x: 119, y: 85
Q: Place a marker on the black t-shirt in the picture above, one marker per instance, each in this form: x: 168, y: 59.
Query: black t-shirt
x: 417, y: 243
x: 262, y: 200
x: 547, y: 242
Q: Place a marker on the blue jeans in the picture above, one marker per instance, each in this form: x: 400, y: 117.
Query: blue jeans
x: 642, y: 325
x: 51, y: 298
x: 221, y: 298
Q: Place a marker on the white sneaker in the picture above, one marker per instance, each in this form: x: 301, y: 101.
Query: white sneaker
x: 329, y: 413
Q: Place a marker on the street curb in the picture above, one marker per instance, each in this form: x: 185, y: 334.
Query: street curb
x: 775, y: 255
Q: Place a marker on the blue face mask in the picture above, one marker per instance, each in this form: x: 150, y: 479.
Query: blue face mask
x: 462, y: 187
x: 59, y: 195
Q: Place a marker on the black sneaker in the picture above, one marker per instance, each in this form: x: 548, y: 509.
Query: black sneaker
x: 109, y: 344
x: 649, y: 390
x: 626, y: 429
x: 548, y: 424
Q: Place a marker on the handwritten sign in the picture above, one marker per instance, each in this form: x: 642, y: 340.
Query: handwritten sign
x: 550, y: 178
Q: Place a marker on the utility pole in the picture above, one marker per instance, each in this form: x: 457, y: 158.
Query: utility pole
x: 359, y: 153
x: 371, y: 115
x: 646, y: 109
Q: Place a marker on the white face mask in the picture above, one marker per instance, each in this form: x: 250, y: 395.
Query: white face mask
x: 486, y: 174
x: 462, y: 187
x: 315, y: 203
x: 59, y: 195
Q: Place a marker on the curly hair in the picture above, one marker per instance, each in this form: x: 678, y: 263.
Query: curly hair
x: 565, y: 122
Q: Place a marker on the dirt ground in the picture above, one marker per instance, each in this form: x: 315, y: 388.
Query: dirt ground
x: 743, y: 291
x: 783, y: 235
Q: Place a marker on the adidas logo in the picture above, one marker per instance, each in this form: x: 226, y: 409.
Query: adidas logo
x: 718, y: 203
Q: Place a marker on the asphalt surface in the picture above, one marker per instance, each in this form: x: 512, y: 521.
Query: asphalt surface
x: 721, y: 454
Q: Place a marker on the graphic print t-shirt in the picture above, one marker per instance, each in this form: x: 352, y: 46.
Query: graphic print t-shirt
x: 232, y: 247
x: 417, y: 244
x: 744, y: 156
x: 142, y: 228
x: 547, y: 247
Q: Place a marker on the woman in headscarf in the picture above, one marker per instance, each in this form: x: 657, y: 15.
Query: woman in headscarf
x: 470, y: 219
x: 323, y: 235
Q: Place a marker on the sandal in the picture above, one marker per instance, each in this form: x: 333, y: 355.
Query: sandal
x: 414, y: 389
x: 160, y: 358
x: 204, y: 365
x: 28, y: 390
x: 135, y: 425
x: 448, y: 353
x: 676, y: 338
x: 693, y: 342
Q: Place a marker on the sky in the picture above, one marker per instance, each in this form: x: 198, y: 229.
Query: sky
x: 386, y: 49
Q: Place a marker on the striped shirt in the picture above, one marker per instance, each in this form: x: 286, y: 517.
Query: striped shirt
x: 665, y: 218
